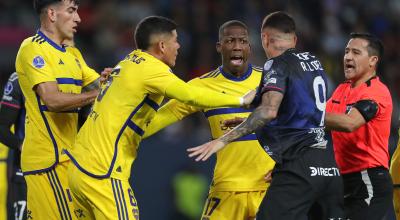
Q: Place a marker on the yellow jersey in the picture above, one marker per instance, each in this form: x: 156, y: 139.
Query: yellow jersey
x: 242, y: 165
x: 107, y: 143
x: 395, y: 165
x: 39, y: 60
x: 3, y: 152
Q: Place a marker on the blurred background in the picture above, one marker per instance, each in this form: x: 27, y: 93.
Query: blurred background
x: 163, y: 178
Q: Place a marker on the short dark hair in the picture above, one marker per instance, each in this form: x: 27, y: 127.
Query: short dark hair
x: 281, y: 21
x: 149, y: 26
x: 39, y: 5
x: 375, y: 46
x: 231, y: 23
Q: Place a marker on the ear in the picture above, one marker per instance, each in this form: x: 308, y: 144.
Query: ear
x: 218, y: 47
x: 51, y: 14
x: 295, y: 39
x: 161, y: 46
x: 373, y: 61
x: 264, y: 39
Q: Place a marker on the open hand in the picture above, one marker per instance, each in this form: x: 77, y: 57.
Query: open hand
x: 104, y: 74
x: 248, y: 98
x: 203, y: 152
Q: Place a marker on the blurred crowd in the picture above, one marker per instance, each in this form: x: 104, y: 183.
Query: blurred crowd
x: 105, y: 34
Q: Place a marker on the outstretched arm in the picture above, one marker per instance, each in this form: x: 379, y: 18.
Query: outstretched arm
x: 265, y: 112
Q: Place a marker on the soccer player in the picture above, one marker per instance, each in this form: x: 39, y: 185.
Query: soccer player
x: 238, y: 186
x: 107, y: 143
x: 12, y: 116
x: 359, y: 115
x: 289, y: 124
x: 395, y: 172
x: 52, y: 80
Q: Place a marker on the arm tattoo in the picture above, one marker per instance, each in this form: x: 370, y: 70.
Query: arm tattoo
x: 95, y: 85
x: 258, y: 118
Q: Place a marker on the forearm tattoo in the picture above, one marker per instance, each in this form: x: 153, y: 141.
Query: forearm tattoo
x: 95, y: 85
x: 251, y: 124
x: 258, y: 118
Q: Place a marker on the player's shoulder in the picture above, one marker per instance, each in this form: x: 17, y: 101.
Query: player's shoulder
x: 33, y: 42
x: 13, y: 77
x: 256, y: 69
x: 210, y: 75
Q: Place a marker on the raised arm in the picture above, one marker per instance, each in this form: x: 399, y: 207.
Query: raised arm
x: 265, y: 112
x: 202, y: 97
x: 168, y: 114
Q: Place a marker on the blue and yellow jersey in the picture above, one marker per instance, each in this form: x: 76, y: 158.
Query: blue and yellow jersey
x: 39, y: 60
x: 107, y: 143
x: 242, y: 165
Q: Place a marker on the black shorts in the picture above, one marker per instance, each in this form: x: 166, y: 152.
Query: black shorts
x: 368, y: 194
x: 16, y: 204
x: 298, y: 184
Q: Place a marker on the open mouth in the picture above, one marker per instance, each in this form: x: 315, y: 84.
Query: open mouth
x: 349, y: 66
x: 237, y: 60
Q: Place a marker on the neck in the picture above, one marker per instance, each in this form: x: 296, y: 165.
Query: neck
x: 154, y: 53
x: 236, y: 72
x: 363, y: 79
x: 51, y: 33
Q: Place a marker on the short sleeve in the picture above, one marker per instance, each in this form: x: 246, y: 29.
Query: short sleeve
x: 274, y: 76
x: 36, y: 65
x: 12, y: 95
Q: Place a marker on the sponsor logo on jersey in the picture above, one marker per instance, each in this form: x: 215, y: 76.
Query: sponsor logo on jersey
x: 324, y: 171
x: 38, y: 62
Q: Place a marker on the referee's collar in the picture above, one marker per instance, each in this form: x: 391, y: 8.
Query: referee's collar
x: 52, y: 43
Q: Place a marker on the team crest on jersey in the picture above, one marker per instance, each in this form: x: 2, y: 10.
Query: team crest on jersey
x: 268, y: 65
x: 8, y: 89
x: 38, y: 62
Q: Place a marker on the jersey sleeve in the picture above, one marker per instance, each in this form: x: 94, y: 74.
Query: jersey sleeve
x: 170, y: 113
x: 274, y: 77
x: 11, y: 104
x: 12, y: 95
x: 88, y: 74
x: 378, y: 99
x: 36, y: 65
x: 157, y: 80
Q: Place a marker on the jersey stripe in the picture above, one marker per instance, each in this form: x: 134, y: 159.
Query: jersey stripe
x: 117, y: 203
x: 64, y: 199
x: 121, y: 191
x: 72, y: 81
x: 135, y: 128
x: 10, y: 105
x: 208, y: 74
x: 53, y: 140
x: 152, y: 104
x: 55, y: 196
x: 221, y: 111
x: 115, y: 146
x: 249, y: 137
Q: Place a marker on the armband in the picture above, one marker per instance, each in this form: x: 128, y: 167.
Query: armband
x: 367, y: 108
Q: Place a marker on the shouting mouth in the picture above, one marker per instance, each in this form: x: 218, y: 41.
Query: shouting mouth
x: 237, y: 60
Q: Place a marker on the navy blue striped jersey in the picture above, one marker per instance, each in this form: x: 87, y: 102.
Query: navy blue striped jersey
x: 300, y: 77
